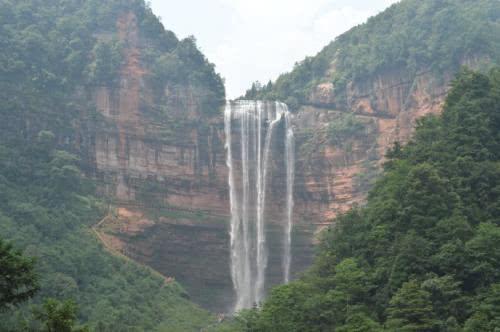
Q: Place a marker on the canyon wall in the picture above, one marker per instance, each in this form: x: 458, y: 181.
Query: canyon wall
x: 161, y: 162
x: 166, y: 178
x: 343, y: 139
x: 159, y: 159
x: 341, y: 149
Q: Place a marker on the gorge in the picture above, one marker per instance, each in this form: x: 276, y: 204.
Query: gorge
x: 154, y: 202
x: 167, y: 177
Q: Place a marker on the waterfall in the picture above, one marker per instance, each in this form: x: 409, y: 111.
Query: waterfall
x: 290, y: 177
x: 254, y: 126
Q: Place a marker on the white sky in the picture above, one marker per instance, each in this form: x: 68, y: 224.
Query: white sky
x: 250, y: 40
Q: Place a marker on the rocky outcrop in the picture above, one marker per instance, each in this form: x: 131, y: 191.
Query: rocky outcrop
x: 137, y: 146
x: 337, y: 171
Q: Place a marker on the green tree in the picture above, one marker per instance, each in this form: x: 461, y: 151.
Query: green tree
x: 360, y: 322
x: 107, y: 61
x: 446, y: 297
x: 486, y: 316
x: 351, y: 281
x: 484, y: 254
x: 58, y: 316
x: 290, y: 308
x: 426, y: 200
x: 478, y: 322
x: 410, y: 309
x: 18, y: 280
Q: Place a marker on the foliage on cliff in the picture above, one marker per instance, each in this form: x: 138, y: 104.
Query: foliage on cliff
x: 424, y: 253
x: 52, y: 54
x: 47, y: 209
x: 411, y: 37
x: 61, y: 45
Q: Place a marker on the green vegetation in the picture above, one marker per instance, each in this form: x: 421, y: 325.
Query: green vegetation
x: 346, y: 127
x: 55, y: 316
x: 64, y: 44
x: 108, y: 59
x: 186, y: 66
x: 52, y: 55
x: 47, y: 209
x: 18, y: 281
x: 423, y: 254
x: 411, y: 36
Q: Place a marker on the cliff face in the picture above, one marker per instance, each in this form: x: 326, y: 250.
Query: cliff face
x: 167, y: 180
x: 343, y: 139
x: 182, y: 149
x: 165, y: 172
x: 338, y: 163
x: 171, y: 190
x: 168, y: 177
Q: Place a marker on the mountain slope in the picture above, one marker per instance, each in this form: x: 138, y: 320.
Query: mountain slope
x: 366, y: 90
x: 423, y: 254
x: 55, y: 57
x: 411, y: 37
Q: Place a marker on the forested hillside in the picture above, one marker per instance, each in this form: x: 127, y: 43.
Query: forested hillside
x: 423, y: 254
x: 368, y: 88
x: 52, y: 54
x: 410, y: 37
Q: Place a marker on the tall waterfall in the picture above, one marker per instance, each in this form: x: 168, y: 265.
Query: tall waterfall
x: 290, y: 176
x: 252, y: 130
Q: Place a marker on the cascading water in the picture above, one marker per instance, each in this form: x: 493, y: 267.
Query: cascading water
x: 290, y: 176
x: 254, y: 126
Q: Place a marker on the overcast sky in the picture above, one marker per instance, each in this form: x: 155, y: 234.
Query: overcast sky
x: 250, y: 40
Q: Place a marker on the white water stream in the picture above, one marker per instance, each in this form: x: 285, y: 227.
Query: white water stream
x: 252, y: 127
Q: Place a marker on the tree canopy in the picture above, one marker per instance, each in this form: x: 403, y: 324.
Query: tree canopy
x: 18, y: 279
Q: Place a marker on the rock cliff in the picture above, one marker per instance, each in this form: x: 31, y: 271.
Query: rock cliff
x: 337, y: 163
x: 172, y: 194
x: 166, y: 176
x: 344, y: 139
x: 160, y: 161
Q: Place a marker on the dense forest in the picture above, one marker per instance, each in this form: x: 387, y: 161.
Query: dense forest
x: 410, y: 37
x: 423, y: 254
x: 52, y: 53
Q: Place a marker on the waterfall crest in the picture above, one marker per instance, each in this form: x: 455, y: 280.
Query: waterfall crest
x: 255, y: 131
